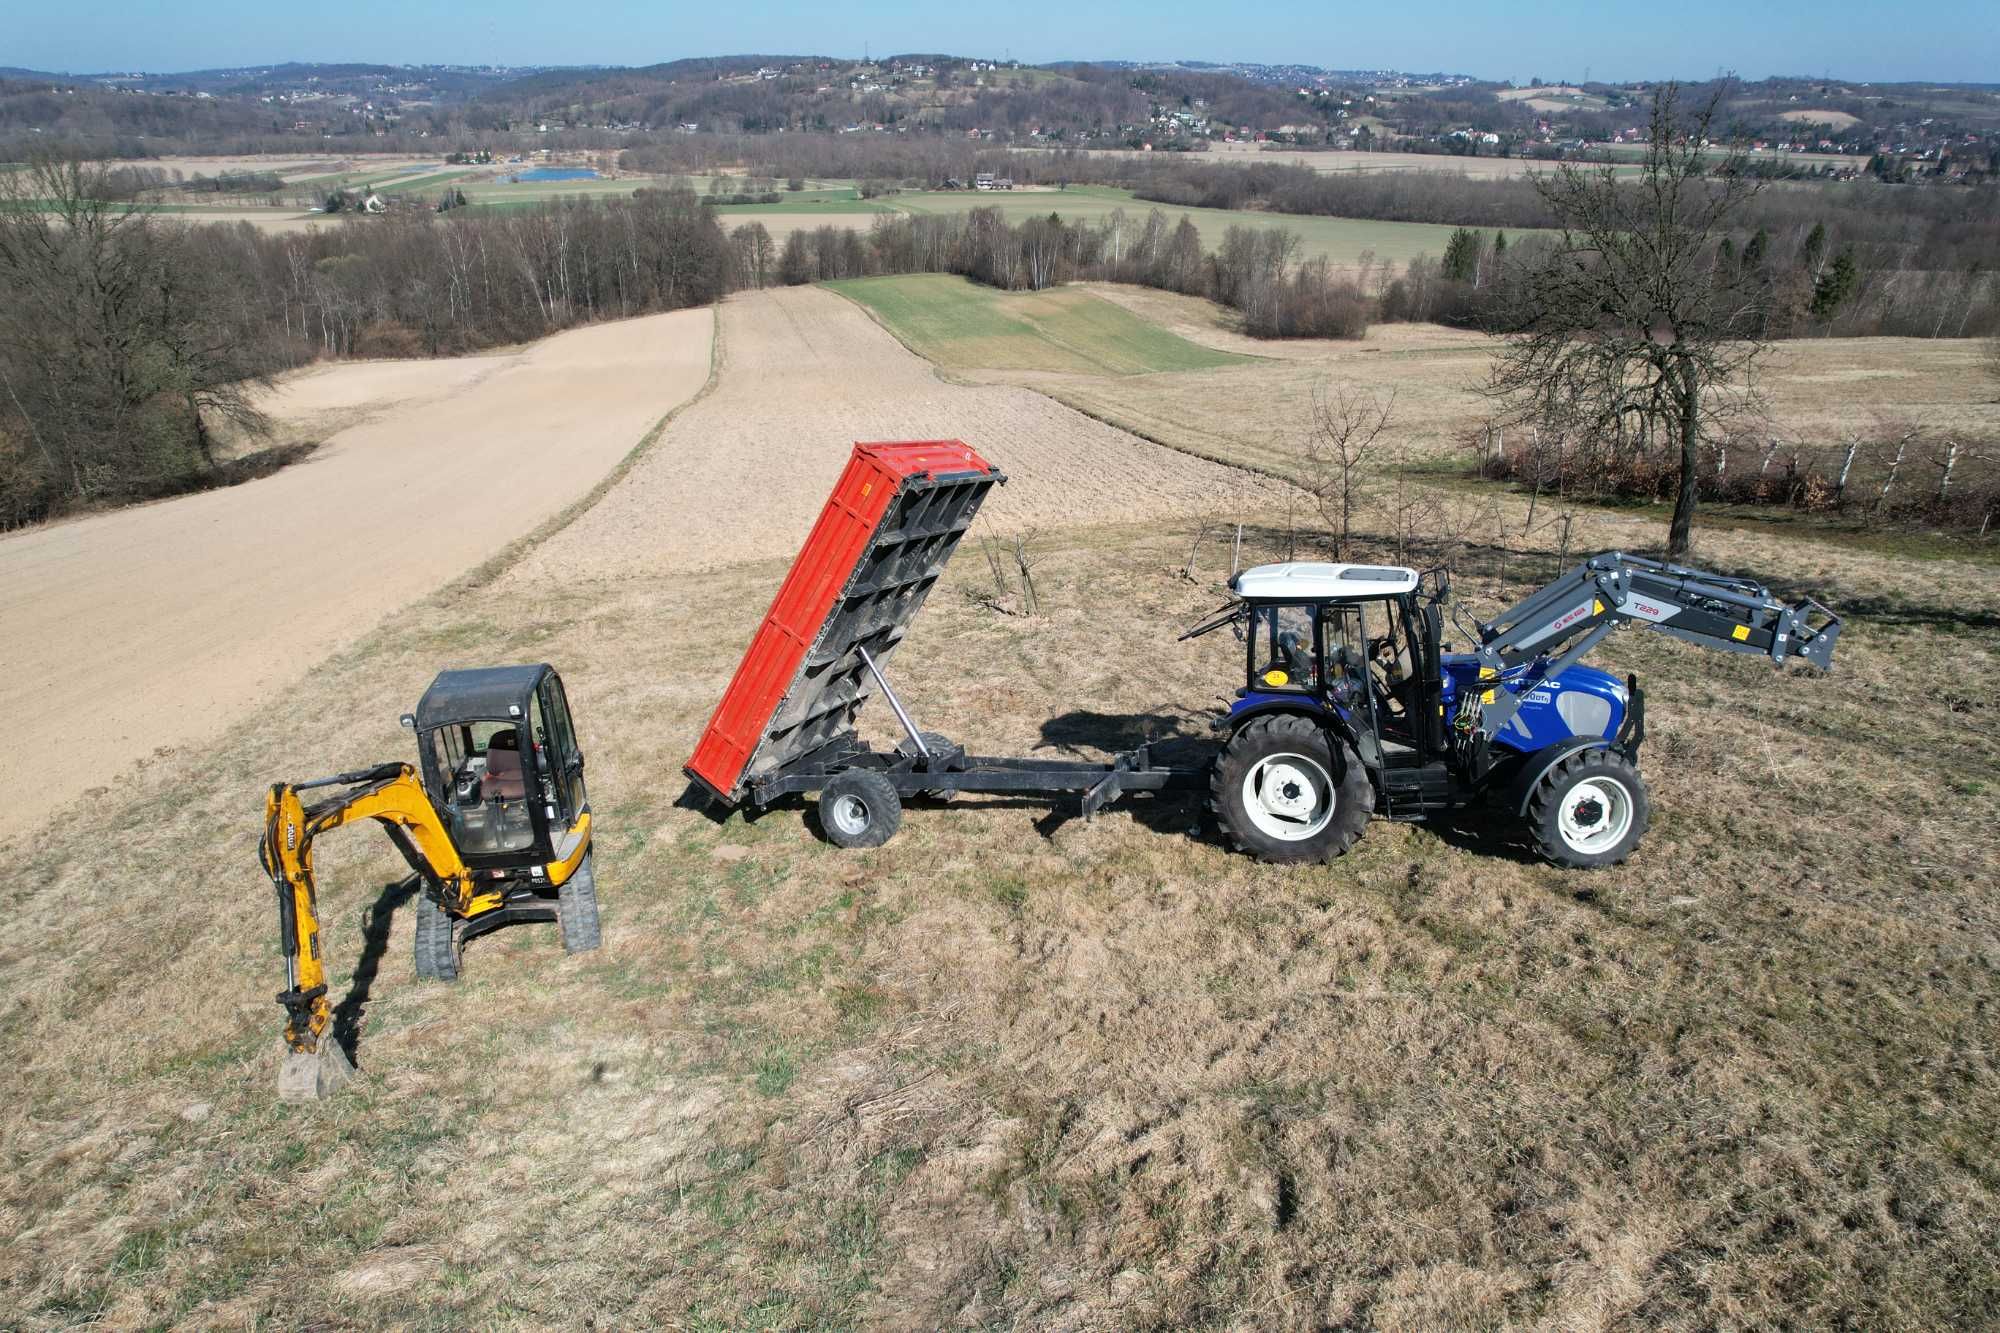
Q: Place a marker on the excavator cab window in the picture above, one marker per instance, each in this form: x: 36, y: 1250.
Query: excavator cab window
x: 486, y: 779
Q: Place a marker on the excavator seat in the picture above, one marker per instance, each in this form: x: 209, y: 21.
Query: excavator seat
x: 504, y: 779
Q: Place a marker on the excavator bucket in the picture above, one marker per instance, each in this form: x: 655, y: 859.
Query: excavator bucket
x: 311, y: 1076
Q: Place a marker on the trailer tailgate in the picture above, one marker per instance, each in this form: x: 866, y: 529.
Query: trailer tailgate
x: 889, y: 528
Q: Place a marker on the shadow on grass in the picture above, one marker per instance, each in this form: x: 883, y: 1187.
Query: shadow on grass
x: 374, y: 944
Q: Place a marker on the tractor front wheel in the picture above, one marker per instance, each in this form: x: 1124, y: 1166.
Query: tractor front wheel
x: 440, y: 941
x: 859, y: 808
x: 1590, y: 811
x: 1285, y: 791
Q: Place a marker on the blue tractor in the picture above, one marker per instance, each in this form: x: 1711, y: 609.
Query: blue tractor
x: 1354, y: 706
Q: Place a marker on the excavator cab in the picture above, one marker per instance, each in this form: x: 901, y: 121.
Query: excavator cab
x: 494, y: 819
x: 501, y: 763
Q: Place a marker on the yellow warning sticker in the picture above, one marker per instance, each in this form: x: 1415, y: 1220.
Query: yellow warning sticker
x: 1596, y: 607
x: 867, y: 486
x: 1740, y: 633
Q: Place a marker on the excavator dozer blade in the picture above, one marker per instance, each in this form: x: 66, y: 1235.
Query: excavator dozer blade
x: 314, y: 1076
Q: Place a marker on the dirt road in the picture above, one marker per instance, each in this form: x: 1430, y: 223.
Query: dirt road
x: 806, y: 373
x: 127, y: 636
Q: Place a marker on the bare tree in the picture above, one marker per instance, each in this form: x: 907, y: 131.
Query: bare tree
x: 1630, y: 312
x: 1345, y: 428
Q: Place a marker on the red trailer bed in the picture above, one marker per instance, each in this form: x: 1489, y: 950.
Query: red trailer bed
x: 892, y: 523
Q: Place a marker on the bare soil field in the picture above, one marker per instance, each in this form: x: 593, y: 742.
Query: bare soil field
x: 806, y: 374
x: 136, y: 636
x: 293, y: 167
x: 1837, y: 120
x: 1339, y: 161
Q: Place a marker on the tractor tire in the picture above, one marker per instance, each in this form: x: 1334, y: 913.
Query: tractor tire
x: 576, y: 908
x: 1286, y: 792
x: 859, y: 808
x: 440, y: 941
x: 1590, y: 811
x: 908, y: 751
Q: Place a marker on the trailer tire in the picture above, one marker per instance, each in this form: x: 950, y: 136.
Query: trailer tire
x: 1286, y: 792
x: 576, y: 908
x: 934, y: 742
x: 1589, y: 811
x: 859, y: 808
x: 440, y: 941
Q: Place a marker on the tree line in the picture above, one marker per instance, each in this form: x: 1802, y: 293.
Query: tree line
x: 130, y: 339
x: 133, y: 342
x: 1256, y: 271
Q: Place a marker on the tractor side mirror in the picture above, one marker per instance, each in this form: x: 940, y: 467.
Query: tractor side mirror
x: 409, y: 720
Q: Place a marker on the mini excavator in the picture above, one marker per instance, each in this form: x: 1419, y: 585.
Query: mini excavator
x: 493, y: 819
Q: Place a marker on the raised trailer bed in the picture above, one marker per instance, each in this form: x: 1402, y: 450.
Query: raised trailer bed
x: 786, y: 723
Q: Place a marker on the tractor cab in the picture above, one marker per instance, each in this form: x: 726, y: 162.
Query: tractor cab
x: 500, y: 762
x: 1351, y: 643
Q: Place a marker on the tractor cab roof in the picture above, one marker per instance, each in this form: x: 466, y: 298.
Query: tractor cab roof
x: 483, y: 692
x: 1318, y: 581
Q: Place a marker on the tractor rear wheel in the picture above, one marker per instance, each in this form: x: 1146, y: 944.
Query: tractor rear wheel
x: 1590, y: 811
x: 440, y: 941
x: 576, y: 908
x: 1286, y: 792
x: 859, y: 808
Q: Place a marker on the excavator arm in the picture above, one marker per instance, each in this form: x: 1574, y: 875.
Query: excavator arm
x: 1550, y: 631
x: 392, y: 796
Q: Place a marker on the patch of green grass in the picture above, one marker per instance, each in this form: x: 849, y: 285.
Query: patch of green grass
x: 423, y: 182
x: 961, y: 325
x: 811, y: 201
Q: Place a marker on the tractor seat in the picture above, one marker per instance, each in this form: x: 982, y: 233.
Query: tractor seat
x: 504, y: 780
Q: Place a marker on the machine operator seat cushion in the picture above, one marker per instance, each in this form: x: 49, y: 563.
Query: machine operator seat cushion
x: 504, y: 780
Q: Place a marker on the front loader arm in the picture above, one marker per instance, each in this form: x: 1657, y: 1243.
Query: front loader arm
x: 1551, y: 630
x: 389, y: 794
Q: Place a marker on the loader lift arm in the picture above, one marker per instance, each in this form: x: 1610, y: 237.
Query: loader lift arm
x: 1553, y: 629
x: 392, y: 796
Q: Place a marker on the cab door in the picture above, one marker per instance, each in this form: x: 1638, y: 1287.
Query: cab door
x: 565, y: 755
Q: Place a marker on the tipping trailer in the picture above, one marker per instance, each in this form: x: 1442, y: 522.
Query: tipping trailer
x: 785, y: 725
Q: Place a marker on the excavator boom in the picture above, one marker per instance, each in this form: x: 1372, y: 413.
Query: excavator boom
x: 392, y: 796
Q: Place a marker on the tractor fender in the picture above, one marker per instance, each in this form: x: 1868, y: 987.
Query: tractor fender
x: 1231, y: 723
x: 1517, y: 791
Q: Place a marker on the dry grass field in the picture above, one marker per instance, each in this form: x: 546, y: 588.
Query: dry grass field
x: 1820, y: 391
x: 1013, y: 1070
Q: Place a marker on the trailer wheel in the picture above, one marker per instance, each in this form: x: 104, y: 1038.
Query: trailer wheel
x: 1284, y: 792
x: 859, y: 808
x: 1590, y: 811
x: 576, y: 908
x: 440, y: 941
x: 935, y: 742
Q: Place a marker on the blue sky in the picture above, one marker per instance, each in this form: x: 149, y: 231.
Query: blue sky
x: 1951, y: 40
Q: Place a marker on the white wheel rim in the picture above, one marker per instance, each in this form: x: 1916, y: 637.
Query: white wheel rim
x: 850, y: 814
x: 1595, y: 815
x: 1288, y: 796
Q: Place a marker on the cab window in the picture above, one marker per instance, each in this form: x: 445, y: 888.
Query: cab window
x: 1284, y: 650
